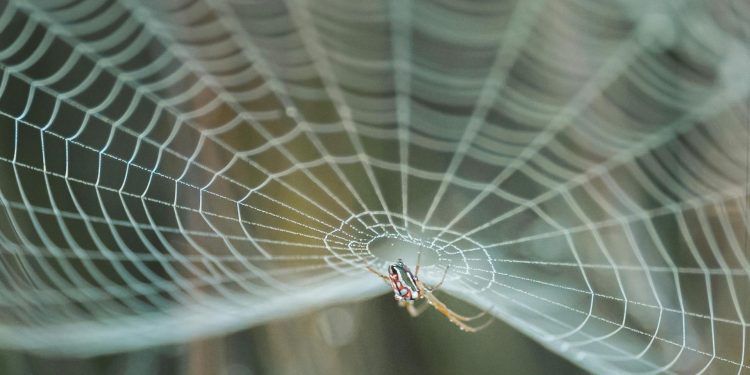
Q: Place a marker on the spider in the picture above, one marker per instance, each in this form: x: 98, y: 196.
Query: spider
x: 407, y: 289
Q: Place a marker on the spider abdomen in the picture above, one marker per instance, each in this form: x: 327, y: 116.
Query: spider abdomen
x: 403, y: 282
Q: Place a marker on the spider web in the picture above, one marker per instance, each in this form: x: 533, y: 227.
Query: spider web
x: 184, y: 168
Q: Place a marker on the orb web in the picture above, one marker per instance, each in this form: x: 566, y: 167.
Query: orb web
x: 171, y: 170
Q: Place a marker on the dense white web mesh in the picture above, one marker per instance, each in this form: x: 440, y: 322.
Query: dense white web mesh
x: 182, y: 168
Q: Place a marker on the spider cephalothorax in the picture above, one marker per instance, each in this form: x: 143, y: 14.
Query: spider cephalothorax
x: 407, y: 288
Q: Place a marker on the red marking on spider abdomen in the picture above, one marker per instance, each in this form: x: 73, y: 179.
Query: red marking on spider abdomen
x: 403, y: 289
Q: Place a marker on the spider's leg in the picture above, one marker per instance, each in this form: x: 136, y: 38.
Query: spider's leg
x: 385, y: 278
x: 434, y: 288
x: 419, y: 257
x: 440, y: 305
x: 416, y: 311
x: 455, y: 318
x: 477, y: 328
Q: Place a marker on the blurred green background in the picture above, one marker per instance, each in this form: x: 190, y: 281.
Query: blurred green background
x: 370, y: 337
